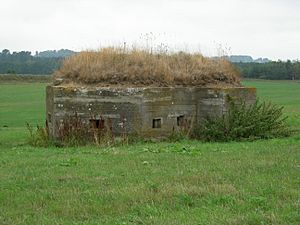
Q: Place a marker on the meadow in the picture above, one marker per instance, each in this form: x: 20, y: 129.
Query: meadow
x: 184, y: 182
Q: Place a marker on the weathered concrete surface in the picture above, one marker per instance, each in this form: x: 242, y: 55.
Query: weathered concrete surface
x: 149, y: 112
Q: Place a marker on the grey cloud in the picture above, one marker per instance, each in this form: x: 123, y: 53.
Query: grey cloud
x: 254, y: 27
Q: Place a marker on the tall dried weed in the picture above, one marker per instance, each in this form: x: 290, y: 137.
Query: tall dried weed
x: 117, y: 66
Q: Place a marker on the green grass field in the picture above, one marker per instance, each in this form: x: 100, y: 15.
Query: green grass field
x: 186, y: 182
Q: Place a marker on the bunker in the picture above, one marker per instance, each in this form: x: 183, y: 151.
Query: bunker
x: 151, y: 94
x: 145, y: 111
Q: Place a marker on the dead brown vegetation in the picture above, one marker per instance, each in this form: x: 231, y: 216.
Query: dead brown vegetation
x: 115, y: 66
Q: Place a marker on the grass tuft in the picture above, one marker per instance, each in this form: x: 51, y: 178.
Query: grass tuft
x: 116, y: 66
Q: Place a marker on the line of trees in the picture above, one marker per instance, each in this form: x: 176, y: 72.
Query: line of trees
x: 24, y: 63
x: 272, y: 70
x: 48, y: 61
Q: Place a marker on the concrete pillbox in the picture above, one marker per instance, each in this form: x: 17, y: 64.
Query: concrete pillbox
x: 146, y: 111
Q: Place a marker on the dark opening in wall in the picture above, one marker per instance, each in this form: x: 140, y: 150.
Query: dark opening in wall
x: 49, y: 118
x: 180, y: 120
x: 156, y: 123
x: 97, y: 123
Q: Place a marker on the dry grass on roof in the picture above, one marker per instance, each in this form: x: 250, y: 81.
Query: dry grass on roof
x: 113, y: 66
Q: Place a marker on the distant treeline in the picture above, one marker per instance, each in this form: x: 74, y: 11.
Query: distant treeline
x: 24, y: 63
x: 278, y: 70
x: 62, y: 53
x: 47, y: 62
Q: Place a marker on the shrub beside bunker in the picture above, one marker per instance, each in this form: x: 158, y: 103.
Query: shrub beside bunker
x: 260, y: 120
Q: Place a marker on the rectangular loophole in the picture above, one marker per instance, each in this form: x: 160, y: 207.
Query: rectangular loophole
x: 180, y: 120
x: 97, y: 124
x: 49, y: 118
x: 156, y: 123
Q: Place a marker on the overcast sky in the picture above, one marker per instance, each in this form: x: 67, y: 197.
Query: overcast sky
x: 261, y: 28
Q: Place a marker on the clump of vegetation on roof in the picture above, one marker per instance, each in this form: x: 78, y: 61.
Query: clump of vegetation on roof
x: 116, y: 66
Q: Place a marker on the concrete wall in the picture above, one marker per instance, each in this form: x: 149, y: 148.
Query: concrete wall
x: 149, y: 112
